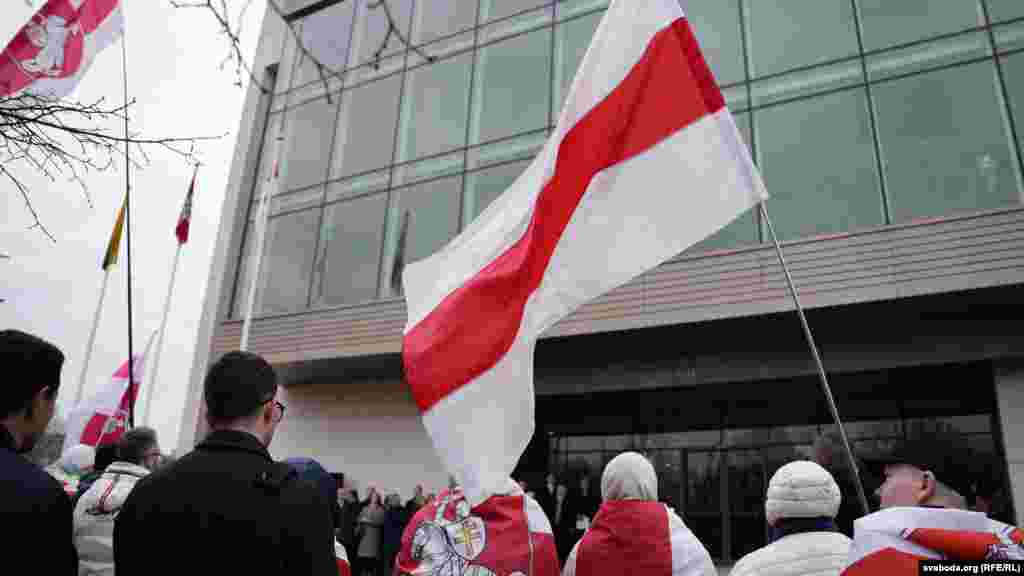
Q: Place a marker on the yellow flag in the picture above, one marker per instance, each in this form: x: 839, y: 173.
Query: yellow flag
x: 115, y: 239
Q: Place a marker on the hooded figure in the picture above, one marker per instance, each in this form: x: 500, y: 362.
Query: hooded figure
x: 800, y: 507
x: 633, y: 533
x: 311, y: 471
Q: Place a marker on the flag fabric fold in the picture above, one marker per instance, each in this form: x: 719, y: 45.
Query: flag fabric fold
x: 51, y: 53
x: 114, y: 245
x: 104, y: 416
x: 644, y: 162
x: 185, y: 218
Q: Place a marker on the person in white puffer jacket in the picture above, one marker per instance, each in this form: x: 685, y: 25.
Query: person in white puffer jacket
x: 137, y: 454
x: 800, y: 508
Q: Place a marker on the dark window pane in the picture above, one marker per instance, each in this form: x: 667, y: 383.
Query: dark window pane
x: 482, y: 187
x: 703, y: 500
x: 946, y: 143
x: 571, y: 41
x: 668, y: 467
x: 887, y: 23
x: 309, y: 129
x: 371, y: 37
x: 350, y: 245
x: 435, y: 120
x: 435, y: 20
x: 510, y: 94
x: 1010, y: 36
x: 716, y: 24
x: 433, y: 209
x: 999, y: 10
x: 819, y: 165
x: 288, y: 261
x: 748, y: 483
x: 366, y: 127
x: 326, y: 35
x: 785, y: 34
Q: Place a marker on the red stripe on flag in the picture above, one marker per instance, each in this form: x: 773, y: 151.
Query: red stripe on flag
x: 669, y: 88
x: 885, y: 561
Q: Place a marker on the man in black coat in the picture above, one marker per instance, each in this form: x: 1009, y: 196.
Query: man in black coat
x: 227, y: 507
x: 35, y: 509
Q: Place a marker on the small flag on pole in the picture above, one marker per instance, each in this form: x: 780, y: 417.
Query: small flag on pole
x: 52, y: 52
x: 645, y: 161
x: 114, y: 245
x: 181, y: 230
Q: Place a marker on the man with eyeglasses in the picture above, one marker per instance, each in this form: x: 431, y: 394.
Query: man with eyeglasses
x: 227, y: 507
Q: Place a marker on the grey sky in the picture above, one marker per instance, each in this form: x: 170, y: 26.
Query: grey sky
x: 51, y: 289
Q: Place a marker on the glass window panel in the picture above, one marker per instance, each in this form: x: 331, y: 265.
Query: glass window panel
x: 571, y: 41
x: 266, y: 167
x: 999, y: 10
x: 807, y: 82
x: 296, y: 200
x: 435, y: 20
x: 786, y: 34
x: 818, y: 161
x: 358, y: 186
x: 703, y: 499
x: 435, y: 120
x: 519, y: 148
x: 483, y: 186
x: 247, y: 254
x: 716, y: 24
x: 1010, y: 36
x: 510, y: 92
x: 581, y: 443
x: 929, y: 55
x: 433, y: 209
x: 516, y: 25
x: 887, y: 23
x: 309, y: 131
x: 748, y: 483
x: 326, y: 35
x: 288, y: 261
x: 1013, y: 73
x: 569, y: 8
x: 446, y: 165
x: 945, y: 143
x: 668, y: 468
x: 494, y: 9
x: 366, y: 127
x: 350, y: 243
x: 372, y: 38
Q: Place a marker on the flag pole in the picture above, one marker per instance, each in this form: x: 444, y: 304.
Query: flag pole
x: 92, y: 337
x: 128, y: 233
x: 817, y: 360
x: 148, y: 410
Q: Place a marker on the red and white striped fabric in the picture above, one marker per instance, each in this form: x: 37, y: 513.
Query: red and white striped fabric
x: 508, y: 534
x: 645, y: 161
x: 51, y: 53
x: 892, y: 541
x: 341, y: 557
x: 638, y: 537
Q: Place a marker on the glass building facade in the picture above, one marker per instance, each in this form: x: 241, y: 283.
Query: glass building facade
x: 859, y: 113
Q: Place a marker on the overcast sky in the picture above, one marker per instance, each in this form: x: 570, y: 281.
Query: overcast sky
x: 51, y: 289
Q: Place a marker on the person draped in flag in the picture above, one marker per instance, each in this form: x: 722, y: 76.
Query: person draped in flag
x: 633, y: 533
x: 801, y: 506
x: 506, y: 535
x: 924, y: 515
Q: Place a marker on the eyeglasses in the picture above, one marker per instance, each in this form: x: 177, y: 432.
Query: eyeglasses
x: 280, y: 409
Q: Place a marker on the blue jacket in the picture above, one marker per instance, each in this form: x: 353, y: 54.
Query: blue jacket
x: 38, y: 512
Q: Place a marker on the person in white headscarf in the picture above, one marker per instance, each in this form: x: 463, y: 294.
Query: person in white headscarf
x: 633, y: 533
x: 72, y: 465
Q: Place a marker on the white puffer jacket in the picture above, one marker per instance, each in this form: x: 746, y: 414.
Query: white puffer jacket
x: 95, y: 514
x: 800, y: 489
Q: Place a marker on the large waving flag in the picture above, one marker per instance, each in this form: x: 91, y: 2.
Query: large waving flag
x: 114, y: 245
x: 52, y: 52
x: 104, y: 417
x: 645, y: 161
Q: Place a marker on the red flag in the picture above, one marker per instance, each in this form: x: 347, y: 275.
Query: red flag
x: 181, y: 230
x: 51, y: 53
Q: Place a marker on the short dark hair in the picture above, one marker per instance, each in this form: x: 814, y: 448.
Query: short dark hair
x: 237, y: 385
x: 106, y: 454
x: 133, y: 445
x: 34, y: 363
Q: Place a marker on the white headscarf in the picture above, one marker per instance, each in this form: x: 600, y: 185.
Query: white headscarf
x: 78, y: 460
x: 629, y: 476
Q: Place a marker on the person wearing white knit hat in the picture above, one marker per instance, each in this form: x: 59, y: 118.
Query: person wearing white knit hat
x: 800, y: 508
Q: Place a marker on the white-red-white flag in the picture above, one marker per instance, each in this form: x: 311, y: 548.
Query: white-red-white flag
x: 645, y: 161
x: 52, y: 52
x: 185, y: 218
x: 104, y: 417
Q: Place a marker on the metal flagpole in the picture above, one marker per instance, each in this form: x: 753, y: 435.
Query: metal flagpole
x: 128, y: 233
x: 92, y: 338
x: 147, y: 407
x: 817, y: 359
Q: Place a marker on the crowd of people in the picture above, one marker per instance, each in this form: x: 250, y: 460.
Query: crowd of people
x: 228, y: 507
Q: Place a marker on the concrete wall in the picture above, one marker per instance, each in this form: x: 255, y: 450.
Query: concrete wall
x: 1010, y: 396
x: 370, y: 431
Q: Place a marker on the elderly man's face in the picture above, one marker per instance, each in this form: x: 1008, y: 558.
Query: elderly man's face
x: 904, y: 485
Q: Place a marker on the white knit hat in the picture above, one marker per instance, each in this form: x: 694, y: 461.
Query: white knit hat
x: 801, y: 489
